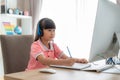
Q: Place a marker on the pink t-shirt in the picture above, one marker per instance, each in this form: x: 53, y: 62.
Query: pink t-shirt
x: 38, y: 48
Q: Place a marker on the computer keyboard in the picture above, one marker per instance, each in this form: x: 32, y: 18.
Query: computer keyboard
x: 98, y: 67
x: 76, y: 66
x: 103, y: 67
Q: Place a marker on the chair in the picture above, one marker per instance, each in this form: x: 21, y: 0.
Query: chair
x: 15, y: 52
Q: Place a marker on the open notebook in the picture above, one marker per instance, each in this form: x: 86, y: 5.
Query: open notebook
x: 76, y: 66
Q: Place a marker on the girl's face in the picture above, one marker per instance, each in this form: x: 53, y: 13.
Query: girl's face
x: 48, y: 34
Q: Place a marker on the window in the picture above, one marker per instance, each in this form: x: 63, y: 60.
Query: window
x: 74, y: 20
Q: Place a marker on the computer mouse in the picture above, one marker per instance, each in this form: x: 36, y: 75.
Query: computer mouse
x: 48, y: 70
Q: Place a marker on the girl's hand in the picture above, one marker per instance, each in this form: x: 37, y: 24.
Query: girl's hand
x: 81, y: 61
x: 69, y: 61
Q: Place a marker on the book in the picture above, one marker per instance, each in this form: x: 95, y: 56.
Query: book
x: 8, y: 27
x: 76, y: 66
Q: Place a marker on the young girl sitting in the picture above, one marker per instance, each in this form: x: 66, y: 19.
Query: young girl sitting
x: 44, y: 51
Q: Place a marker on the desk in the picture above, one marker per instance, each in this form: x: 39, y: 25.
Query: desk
x: 61, y: 74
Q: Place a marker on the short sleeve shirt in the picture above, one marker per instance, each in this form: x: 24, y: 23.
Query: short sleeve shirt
x: 38, y: 48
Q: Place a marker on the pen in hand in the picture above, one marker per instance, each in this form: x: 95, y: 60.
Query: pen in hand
x: 69, y: 52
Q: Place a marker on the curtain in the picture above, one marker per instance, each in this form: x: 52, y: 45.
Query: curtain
x: 74, y: 21
x: 35, y: 9
x: 118, y: 2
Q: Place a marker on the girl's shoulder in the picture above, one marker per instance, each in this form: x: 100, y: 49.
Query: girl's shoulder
x: 36, y: 43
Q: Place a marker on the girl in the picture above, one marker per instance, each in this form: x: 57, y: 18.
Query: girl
x: 44, y: 51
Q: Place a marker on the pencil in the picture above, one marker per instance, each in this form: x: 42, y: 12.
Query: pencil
x: 69, y: 52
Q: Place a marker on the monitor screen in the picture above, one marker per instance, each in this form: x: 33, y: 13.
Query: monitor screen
x: 107, y: 23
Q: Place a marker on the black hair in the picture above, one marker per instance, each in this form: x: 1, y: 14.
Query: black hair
x: 44, y: 23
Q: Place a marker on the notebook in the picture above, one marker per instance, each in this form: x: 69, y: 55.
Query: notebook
x: 76, y: 66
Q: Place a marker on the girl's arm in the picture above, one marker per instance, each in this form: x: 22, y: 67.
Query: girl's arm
x: 49, y: 61
x: 77, y: 60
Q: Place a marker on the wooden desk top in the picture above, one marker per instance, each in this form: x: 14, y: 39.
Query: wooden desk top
x: 61, y: 74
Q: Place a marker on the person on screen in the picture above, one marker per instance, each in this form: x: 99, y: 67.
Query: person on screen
x: 44, y: 51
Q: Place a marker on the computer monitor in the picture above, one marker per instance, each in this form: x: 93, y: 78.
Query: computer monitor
x: 107, y: 23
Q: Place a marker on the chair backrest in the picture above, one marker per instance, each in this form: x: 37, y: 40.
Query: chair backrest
x: 15, y: 51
